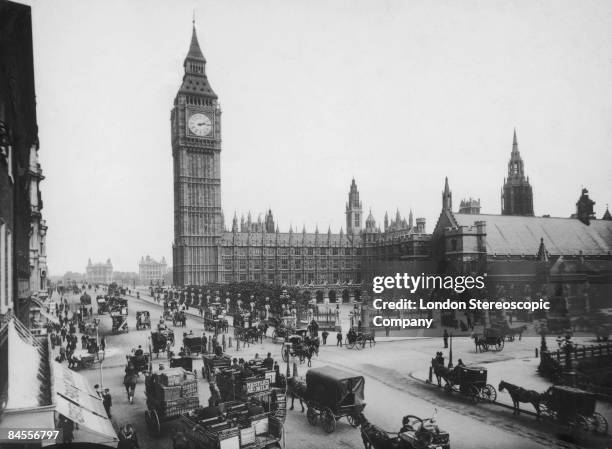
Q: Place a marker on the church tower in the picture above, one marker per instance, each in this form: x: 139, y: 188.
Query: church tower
x: 353, y: 211
x: 196, y: 151
x: 517, y: 196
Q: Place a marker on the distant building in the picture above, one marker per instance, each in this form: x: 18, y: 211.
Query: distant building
x: 152, y: 271
x: 99, y: 273
x: 470, y: 206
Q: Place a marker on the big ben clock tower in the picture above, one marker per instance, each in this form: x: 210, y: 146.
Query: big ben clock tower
x: 196, y: 152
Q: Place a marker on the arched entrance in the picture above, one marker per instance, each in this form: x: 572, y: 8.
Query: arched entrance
x: 319, y: 296
x: 332, y: 296
x: 345, y: 295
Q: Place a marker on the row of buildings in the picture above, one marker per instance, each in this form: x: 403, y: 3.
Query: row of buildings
x: 336, y: 266
x: 150, y: 271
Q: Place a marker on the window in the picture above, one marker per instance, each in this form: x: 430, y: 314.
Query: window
x: 357, y: 220
x: 298, y: 264
x: 454, y: 245
x: 323, y: 251
x: 243, y: 264
x: 271, y: 264
x: 347, y: 251
x: 310, y: 251
x: 335, y: 251
x: 284, y: 264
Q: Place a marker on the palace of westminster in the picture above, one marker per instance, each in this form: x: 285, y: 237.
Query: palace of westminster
x: 206, y: 251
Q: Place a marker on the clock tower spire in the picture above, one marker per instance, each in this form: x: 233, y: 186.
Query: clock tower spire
x: 196, y: 150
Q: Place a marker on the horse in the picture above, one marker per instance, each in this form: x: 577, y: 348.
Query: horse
x: 368, y: 337
x: 441, y: 372
x: 511, y: 332
x: 296, y: 389
x: 519, y: 394
x: 480, y: 342
x: 129, y: 381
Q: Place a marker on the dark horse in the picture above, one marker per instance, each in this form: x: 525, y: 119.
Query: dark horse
x: 129, y: 381
x: 441, y: 372
x: 519, y: 394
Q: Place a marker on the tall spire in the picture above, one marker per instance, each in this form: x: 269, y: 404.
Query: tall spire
x: 447, y: 197
x: 194, y: 48
x: 195, y: 80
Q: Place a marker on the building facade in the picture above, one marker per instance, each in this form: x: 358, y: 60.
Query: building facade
x: 204, y: 251
x: 196, y: 151
x: 99, y: 273
x: 151, y: 271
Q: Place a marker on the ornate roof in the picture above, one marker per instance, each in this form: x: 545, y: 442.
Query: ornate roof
x: 289, y: 239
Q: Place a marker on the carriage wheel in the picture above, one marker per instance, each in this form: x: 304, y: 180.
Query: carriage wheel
x: 488, y: 393
x: 311, y: 415
x: 328, y: 420
x: 359, y: 345
x: 581, y: 424
x: 485, y: 346
x: 474, y: 394
x: 448, y: 388
x: 600, y: 423
x: 352, y: 420
x: 350, y: 345
x: 500, y: 344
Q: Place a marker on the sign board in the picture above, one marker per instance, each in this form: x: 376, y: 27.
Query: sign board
x: 258, y: 386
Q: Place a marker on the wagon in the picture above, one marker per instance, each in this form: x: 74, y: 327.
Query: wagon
x: 212, y: 362
x: 470, y: 381
x: 170, y: 393
x: 232, y: 425
x: 492, y: 338
x: 294, y: 347
x: 102, y: 305
x: 331, y: 394
x: 119, y: 322
x: 415, y: 433
x: 182, y: 362
x: 140, y: 363
x: 160, y: 339
x: 143, y: 319
x: 573, y: 407
x: 193, y: 344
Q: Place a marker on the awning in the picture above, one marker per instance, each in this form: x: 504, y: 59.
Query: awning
x: 76, y: 400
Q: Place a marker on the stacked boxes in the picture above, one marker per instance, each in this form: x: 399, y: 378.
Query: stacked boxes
x: 172, y: 391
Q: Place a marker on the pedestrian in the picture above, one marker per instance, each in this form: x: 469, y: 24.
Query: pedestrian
x: 445, y: 338
x: 52, y: 340
x: 339, y: 339
x: 107, y: 402
x: 324, y: 335
x: 62, y: 351
x: 102, y: 344
x: 63, y: 333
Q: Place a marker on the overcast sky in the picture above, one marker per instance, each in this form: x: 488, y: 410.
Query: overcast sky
x: 398, y: 94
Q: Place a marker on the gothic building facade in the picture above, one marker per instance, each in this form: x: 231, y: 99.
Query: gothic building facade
x: 205, y: 252
x: 150, y: 271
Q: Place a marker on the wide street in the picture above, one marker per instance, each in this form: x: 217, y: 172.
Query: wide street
x: 394, y: 387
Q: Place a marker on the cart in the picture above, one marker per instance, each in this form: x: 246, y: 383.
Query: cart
x: 469, y: 381
x: 232, y: 425
x: 170, y: 393
x: 415, y: 433
x: 213, y: 362
x: 294, y: 347
x: 160, y: 339
x: 573, y: 407
x: 193, y: 344
x: 119, y: 322
x: 182, y: 362
x: 143, y: 319
x: 493, y: 339
x: 330, y: 395
x: 140, y: 363
x: 102, y: 305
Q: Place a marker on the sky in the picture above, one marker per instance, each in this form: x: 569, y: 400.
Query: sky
x: 397, y: 94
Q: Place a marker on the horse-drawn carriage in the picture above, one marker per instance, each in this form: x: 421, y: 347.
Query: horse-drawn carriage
x: 160, y: 339
x: 193, y: 344
x: 170, y: 308
x: 143, y: 319
x: 119, y: 321
x: 138, y: 362
x: 357, y: 338
x: 247, y: 334
x: 281, y: 333
x: 102, y: 305
x: 330, y: 394
x: 415, y: 433
x: 296, y: 347
x: 179, y: 318
x: 492, y: 338
x: 470, y: 381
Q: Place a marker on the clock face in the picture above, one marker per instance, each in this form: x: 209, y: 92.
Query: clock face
x: 200, y: 124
